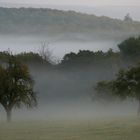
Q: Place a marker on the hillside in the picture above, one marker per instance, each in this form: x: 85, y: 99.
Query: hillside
x: 55, y: 22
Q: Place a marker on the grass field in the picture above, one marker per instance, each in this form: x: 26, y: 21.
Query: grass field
x: 114, y: 129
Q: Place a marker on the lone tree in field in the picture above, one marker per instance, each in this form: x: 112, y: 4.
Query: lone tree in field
x: 16, y: 86
x: 127, y: 84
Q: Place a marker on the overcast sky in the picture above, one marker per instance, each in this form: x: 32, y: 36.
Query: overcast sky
x: 77, y: 2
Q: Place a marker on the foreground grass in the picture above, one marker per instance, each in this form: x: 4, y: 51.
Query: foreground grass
x: 120, y: 129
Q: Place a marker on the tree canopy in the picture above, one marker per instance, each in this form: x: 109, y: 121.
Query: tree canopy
x: 125, y: 85
x: 87, y: 57
x: 16, y: 86
x: 103, y: 92
x: 130, y: 49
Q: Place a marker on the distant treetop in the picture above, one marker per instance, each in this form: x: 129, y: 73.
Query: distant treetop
x: 128, y: 18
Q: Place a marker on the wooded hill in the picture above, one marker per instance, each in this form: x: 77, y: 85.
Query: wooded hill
x: 56, y: 22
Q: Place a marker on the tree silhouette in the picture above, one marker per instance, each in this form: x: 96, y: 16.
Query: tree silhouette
x: 127, y: 84
x: 130, y: 49
x: 16, y: 86
x: 128, y: 18
x: 103, y: 92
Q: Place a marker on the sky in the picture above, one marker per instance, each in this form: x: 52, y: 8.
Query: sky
x: 77, y: 2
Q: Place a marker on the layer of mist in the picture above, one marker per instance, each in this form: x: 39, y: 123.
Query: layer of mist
x: 66, y: 94
x: 74, y: 111
x: 59, y: 48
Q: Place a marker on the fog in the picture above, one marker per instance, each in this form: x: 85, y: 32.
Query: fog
x: 59, y: 48
x: 66, y: 95
x: 74, y: 111
x: 77, y: 2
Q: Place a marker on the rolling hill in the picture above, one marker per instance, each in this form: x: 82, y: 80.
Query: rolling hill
x: 39, y: 21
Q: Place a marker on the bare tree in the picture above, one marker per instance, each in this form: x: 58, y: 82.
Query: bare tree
x: 47, y: 54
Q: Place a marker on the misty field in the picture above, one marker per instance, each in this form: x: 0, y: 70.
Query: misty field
x: 119, y: 129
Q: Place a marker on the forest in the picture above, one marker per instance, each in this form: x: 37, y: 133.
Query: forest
x: 50, y: 22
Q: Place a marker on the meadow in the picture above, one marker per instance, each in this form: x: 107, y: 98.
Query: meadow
x: 108, y: 129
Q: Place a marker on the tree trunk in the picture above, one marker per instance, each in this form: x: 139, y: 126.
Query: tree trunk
x: 139, y: 108
x: 9, y: 115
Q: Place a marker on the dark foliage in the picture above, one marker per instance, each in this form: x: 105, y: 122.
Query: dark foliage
x: 16, y: 86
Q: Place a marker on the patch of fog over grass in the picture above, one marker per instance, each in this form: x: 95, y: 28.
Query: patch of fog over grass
x: 58, y: 97
x: 18, y: 44
x: 80, y: 110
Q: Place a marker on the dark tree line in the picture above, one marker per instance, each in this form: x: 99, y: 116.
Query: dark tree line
x: 129, y: 53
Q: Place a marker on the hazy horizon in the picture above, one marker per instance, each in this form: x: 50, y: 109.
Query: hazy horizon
x: 77, y: 2
x: 113, y: 11
x: 69, y: 69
